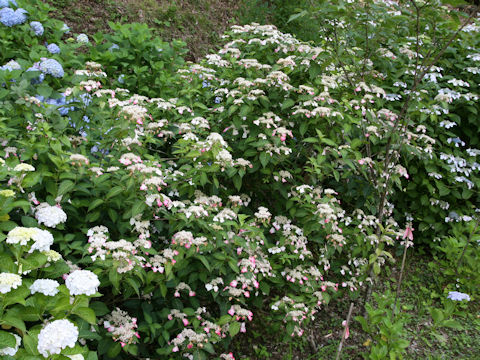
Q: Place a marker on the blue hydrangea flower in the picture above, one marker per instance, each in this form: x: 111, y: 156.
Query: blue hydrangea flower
x: 10, y: 17
x: 218, y: 99
x: 53, y: 49
x: 7, y: 3
x: 40, y: 77
x: 37, y: 28
x: 86, y: 99
x: 113, y: 47
x: 11, y: 65
x: 121, y: 79
x: 458, y: 296
x: 52, y: 67
x: 65, y: 28
x: 83, y: 38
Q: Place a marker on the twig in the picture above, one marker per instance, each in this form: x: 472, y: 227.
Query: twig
x: 339, y: 351
x: 400, y: 279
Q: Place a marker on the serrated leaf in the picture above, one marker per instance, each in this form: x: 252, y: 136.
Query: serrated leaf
x: 114, y: 192
x: 86, y: 314
x: 204, y: 261
x: 288, y: 104
x: 138, y: 208
x: 65, y: 187
x: 30, y: 343
x: 95, y: 204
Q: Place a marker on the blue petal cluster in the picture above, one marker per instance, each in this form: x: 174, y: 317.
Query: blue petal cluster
x: 52, y: 67
x: 113, y: 47
x: 65, y: 28
x: 458, y: 296
x: 7, y: 3
x: 37, y: 28
x: 11, y: 65
x: 10, y: 17
x: 53, y: 49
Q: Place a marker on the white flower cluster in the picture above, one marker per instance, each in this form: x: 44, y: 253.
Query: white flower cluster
x: 21, y: 236
x: 22, y: 167
x: 47, y: 287
x: 263, y: 214
x: 50, y: 216
x: 56, y: 336
x: 9, y: 281
x: 82, y: 282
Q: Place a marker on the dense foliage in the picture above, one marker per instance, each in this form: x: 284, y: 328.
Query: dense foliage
x: 150, y: 208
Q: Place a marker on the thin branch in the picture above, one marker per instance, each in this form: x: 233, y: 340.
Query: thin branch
x: 400, y: 278
x: 340, y: 346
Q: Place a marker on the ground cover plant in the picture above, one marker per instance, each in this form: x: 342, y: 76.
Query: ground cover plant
x: 156, y: 208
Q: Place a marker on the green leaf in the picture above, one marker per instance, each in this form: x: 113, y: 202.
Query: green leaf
x: 114, y: 350
x: 27, y: 221
x: 114, y: 192
x: 86, y: 314
x: 437, y: 315
x: 7, y: 340
x: 134, y: 285
x: 65, y: 187
x: 95, y: 204
x: 13, y: 320
x: 30, y: 343
x: 298, y: 15
x: 31, y: 179
x: 204, y: 261
x: 138, y: 207
x: 264, y: 158
x: 100, y: 308
x: 237, y: 182
x: 234, y: 328
x: 288, y: 104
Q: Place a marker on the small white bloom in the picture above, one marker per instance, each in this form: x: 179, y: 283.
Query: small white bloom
x: 9, y: 281
x: 47, y: 287
x: 82, y: 282
x: 56, y: 336
x: 50, y: 216
x: 83, y: 38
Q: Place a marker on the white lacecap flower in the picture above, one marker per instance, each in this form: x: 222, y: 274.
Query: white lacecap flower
x: 82, y: 282
x: 12, y: 351
x: 56, y: 336
x: 23, y: 167
x: 50, y: 216
x: 47, y: 287
x: 9, y: 281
